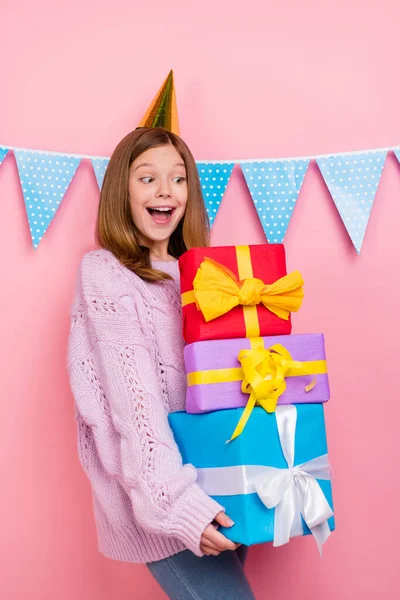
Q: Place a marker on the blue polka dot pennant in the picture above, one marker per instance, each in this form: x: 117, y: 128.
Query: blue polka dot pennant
x: 100, y: 166
x: 274, y: 186
x: 352, y: 180
x: 214, y: 178
x: 45, y: 178
x: 3, y: 153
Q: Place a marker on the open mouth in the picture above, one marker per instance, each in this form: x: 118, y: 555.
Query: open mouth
x: 161, y: 214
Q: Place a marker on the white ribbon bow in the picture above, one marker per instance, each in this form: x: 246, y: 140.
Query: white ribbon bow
x: 293, y: 491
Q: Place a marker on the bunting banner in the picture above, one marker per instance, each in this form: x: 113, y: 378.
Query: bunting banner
x: 44, y: 179
x: 3, y: 153
x: 99, y: 167
x: 214, y: 178
x: 274, y: 186
x: 352, y: 181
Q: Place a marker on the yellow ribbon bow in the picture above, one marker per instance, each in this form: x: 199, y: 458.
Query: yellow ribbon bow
x: 217, y: 290
x: 264, y: 373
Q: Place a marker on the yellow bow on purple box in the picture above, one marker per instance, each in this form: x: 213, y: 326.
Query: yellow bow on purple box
x: 264, y: 373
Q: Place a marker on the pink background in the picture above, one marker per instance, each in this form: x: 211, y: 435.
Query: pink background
x: 266, y: 79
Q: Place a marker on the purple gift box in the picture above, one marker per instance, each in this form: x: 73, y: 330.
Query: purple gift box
x: 214, y: 355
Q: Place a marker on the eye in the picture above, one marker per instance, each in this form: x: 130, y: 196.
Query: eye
x: 147, y: 179
x: 179, y: 179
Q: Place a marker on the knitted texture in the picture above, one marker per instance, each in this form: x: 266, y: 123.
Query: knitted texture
x: 126, y: 369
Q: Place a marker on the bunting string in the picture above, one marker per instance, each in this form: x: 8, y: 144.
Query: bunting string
x: 274, y: 184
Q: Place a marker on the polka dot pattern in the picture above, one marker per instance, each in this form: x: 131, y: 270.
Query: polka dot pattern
x: 214, y: 178
x: 352, y: 181
x: 44, y: 179
x: 99, y: 167
x: 274, y: 186
x: 3, y: 153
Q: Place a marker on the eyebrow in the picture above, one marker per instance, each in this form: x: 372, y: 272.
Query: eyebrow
x: 179, y: 164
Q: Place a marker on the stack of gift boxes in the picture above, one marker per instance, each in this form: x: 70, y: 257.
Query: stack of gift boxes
x: 254, y: 423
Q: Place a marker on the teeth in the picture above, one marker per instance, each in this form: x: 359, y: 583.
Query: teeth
x: 162, y: 209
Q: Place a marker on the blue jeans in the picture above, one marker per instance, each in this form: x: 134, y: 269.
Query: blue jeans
x: 185, y: 576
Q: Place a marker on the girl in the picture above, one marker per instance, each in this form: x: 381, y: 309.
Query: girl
x: 125, y: 361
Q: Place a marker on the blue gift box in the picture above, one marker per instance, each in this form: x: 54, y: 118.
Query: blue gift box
x: 202, y: 438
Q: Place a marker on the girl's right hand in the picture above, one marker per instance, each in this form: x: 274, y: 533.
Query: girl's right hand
x: 212, y: 541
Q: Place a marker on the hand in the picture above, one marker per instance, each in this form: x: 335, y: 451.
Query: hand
x: 212, y: 541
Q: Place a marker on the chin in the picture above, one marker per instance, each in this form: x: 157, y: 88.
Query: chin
x: 160, y: 237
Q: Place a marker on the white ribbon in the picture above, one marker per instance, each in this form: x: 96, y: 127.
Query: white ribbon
x: 293, y: 491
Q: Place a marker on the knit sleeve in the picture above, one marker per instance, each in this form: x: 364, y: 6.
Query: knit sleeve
x: 164, y: 494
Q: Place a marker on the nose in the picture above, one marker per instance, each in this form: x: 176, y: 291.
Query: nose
x: 164, y: 190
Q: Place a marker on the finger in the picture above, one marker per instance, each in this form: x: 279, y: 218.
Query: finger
x: 217, y: 539
x: 224, y: 520
x: 209, y: 550
x: 207, y: 542
x: 218, y: 548
x: 211, y: 545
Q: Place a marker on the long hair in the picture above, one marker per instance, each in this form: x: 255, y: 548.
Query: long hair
x: 115, y: 228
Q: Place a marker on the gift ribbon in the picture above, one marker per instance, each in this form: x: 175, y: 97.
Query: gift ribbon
x: 263, y: 374
x: 216, y: 291
x: 293, y: 491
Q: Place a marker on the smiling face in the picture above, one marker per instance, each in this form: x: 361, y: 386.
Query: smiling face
x: 157, y: 194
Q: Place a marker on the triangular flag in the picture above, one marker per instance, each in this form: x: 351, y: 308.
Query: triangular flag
x: 3, y: 153
x: 99, y: 167
x: 214, y: 178
x: 352, y: 180
x: 45, y: 178
x: 274, y: 186
x: 397, y: 153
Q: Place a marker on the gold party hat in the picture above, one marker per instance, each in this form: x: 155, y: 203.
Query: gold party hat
x: 162, y: 111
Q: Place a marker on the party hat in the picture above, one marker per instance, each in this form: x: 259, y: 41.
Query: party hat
x: 162, y: 112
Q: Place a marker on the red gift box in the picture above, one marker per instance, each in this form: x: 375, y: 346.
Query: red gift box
x: 266, y: 262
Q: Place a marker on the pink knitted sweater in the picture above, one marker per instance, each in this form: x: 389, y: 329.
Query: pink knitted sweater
x: 125, y: 362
